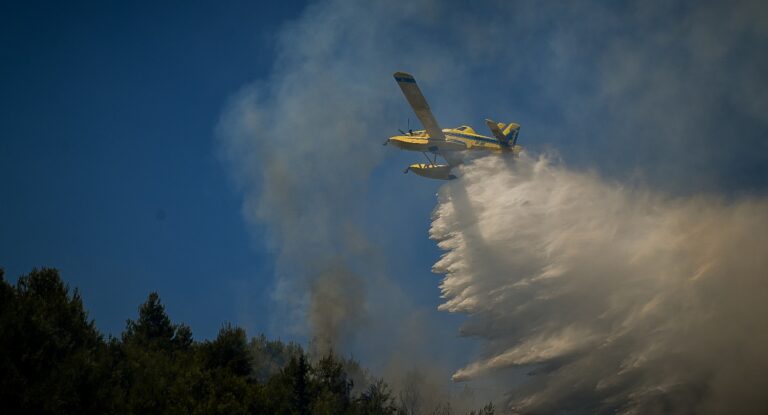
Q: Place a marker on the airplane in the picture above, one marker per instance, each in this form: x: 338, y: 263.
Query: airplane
x: 449, y: 142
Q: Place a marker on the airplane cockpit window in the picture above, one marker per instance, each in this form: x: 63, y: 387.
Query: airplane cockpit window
x: 462, y: 128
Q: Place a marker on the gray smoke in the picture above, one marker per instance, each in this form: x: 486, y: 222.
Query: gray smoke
x: 612, y: 298
x: 297, y: 177
x: 301, y: 146
x: 669, y: 93
x: 336, y: 306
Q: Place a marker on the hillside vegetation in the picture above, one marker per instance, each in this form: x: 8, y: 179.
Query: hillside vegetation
x: 53, y: 360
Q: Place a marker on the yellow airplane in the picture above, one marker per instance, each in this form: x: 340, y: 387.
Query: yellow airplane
x: 449, y: 142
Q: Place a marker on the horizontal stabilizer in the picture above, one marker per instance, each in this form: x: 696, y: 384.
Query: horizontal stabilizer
x: 506, y: 134
x: 496, y: 130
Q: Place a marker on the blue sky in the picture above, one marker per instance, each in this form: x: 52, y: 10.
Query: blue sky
x: 111, y: 170
x: 107, y: 157
x: 145, y: 147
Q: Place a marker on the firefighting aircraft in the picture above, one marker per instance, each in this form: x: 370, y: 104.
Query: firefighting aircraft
x: 448, y: 142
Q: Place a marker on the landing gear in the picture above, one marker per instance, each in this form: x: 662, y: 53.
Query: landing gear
x: 431, y: 161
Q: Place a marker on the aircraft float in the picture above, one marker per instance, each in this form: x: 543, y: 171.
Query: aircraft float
x: 450, y: 143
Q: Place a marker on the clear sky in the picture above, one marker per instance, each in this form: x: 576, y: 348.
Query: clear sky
x: 107, y: 161
x: 220, y: 153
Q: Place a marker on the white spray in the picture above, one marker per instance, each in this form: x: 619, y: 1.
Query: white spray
x: 612, y: 298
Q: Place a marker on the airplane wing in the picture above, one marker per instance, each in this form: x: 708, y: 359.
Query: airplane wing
x: 419, y: 104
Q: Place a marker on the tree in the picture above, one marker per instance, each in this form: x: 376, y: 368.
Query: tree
x: 410, y: 396
x: 376, y: 400
x: 290, y: 391
x: 226, y: 386
x: 155, y: 366
x: 153, y: 328
x: 333, y: 387
x: 50, y: 351
x: 54, y: 361
x: 229, y: 351
x: 269, y: 357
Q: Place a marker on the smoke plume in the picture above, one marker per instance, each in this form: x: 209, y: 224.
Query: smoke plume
x: 336, y: 306
x: 610, y: 297
x: 613, y: 297
x: 301, y: 146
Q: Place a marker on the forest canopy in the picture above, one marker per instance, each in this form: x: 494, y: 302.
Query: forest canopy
x: 54, y: 360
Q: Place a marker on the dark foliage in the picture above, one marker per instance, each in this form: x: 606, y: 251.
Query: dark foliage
x: 50, y: 354
x: 53, y: 360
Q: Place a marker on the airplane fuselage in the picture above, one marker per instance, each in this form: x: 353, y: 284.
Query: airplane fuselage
x: 455, y: 140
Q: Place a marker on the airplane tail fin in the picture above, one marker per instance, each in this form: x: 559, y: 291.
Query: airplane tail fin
x: 510, y: 132
x: 505, y: 133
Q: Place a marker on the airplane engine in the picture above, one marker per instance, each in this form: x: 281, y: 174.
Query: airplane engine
x: 432, y: 171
